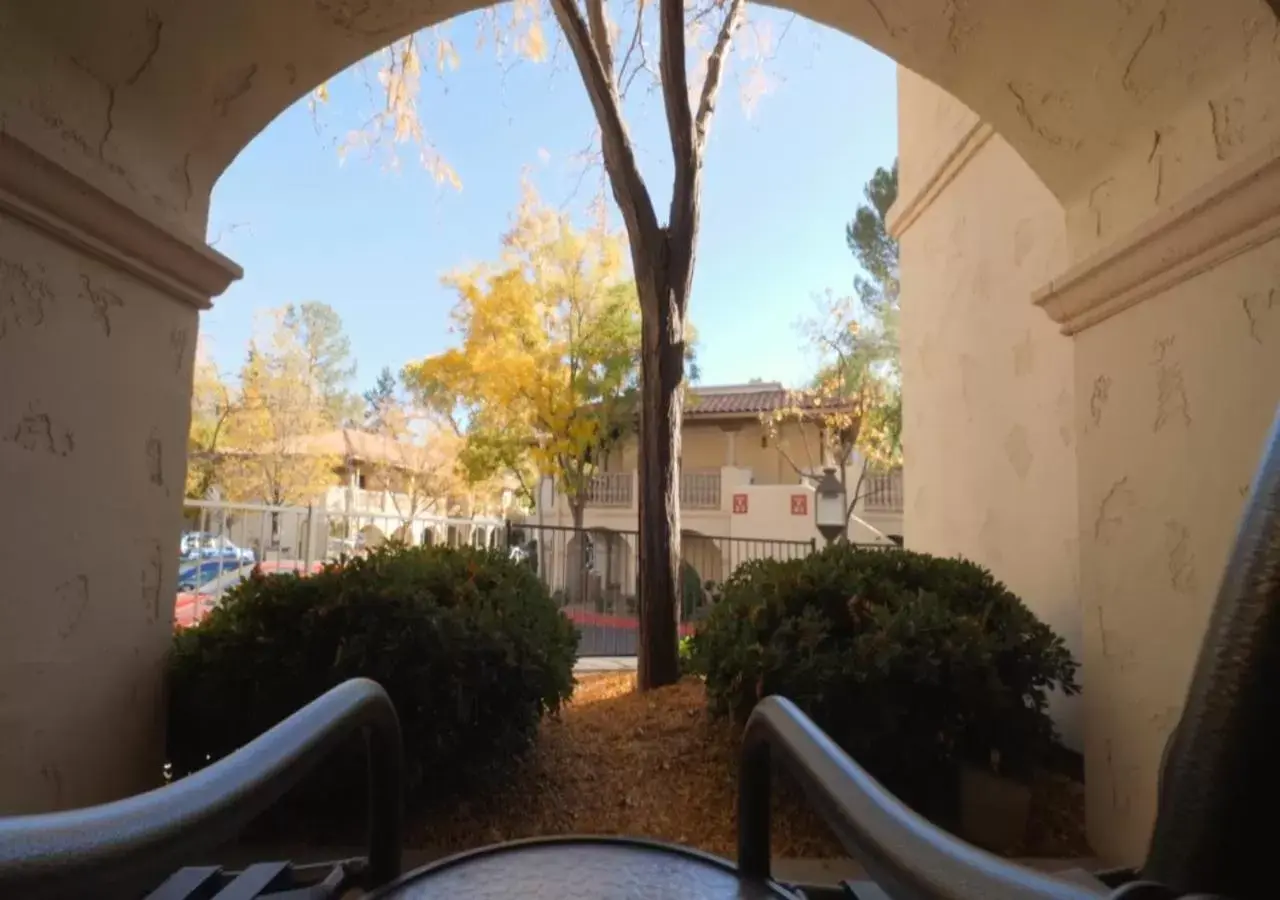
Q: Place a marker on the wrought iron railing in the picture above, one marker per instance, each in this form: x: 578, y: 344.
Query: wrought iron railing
x: 126, y: 848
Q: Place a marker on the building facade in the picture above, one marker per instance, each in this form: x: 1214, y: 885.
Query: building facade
x: 739, y: 478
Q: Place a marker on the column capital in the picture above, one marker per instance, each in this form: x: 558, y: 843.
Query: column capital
x: 37, y: 191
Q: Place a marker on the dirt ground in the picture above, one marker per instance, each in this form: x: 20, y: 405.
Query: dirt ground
x: 656, y: 765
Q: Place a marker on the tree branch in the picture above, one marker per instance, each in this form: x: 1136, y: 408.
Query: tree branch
x: 628, y: 187
x: 857, y: 495
x: 600, y: 36
x: 631, y: 48
x: 675, y: 97
x: 715, y: 75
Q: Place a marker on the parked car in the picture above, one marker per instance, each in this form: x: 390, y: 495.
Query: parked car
x: 204, y: 545
x: 193, y: 605
x: 191, y: 574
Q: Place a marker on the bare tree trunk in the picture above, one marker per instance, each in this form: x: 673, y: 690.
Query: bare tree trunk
x: 663, y: 262
x: 857, y: 492
x: 662, y: 378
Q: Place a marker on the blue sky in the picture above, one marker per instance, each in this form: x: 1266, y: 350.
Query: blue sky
x: 373, y: 241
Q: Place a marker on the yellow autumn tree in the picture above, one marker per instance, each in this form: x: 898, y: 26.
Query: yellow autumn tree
x: 281, y: 404
x: 213, y: 402
x: 545, y: 376
x: 683, y: 48
x: 418, y: 459
x: 852, y: 410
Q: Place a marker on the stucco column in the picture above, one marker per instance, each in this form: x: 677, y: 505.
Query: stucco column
x: 1176, y: 339
x: 98, y: 318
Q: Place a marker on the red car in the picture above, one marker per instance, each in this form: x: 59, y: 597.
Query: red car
x: 192, y: 606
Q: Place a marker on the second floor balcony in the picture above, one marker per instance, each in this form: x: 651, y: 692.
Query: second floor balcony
x: 698, y: 489
x: 882, y: 492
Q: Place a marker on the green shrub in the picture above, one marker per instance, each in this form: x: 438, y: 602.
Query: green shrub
x: 692, y: 596
x: 688, y: 666
x: 468, y: 644
x: 912, y: 663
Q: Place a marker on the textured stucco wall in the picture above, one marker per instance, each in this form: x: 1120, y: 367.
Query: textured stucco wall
x: 1174, y: 398
x: 931, y: 123
x: 1164, y: 405
x: 987, y: 378
x: 1217, y: 122
x: 91, y: 489
x: 704, y: 447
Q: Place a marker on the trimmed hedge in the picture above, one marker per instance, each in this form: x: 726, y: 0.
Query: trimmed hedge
x: 912, y: 663
x: 468, y: 644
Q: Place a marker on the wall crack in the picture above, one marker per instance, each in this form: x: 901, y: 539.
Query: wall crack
x: 1252, y: 315
x: 23, y: 297
x: 1111, y: 511
x: 155, y: 27
x: 1024, y: 112
x: 36, y: 433
x: 102, y: 300
x: 1098, y: 399
x: 1156, y: 26
x: 1171, y: 387
x: 223, y: 99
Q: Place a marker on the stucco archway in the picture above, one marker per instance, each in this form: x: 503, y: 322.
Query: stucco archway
x: 118, y: 116
x: 154, y: 100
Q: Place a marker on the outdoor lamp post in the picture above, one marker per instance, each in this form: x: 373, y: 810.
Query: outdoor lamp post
x: 828, y: 506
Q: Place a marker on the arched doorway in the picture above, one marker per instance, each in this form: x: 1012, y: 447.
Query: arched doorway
x: 118, y: 121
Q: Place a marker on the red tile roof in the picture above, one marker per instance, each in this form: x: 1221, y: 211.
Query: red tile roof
x: 742, y: 399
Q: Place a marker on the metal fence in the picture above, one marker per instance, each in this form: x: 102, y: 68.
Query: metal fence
x: 222, y: 541
x: 314, y: 533
x: 594, y: 576
x: 592, y: 573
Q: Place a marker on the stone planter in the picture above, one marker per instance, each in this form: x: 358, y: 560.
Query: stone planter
x: 994, y: 810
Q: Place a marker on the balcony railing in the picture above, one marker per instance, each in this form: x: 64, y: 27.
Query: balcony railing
x: 700, y: 490
x: 610, y: 489
x: 883, y: 491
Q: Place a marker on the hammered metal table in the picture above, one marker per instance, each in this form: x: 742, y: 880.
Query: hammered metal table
x: 581, y: 868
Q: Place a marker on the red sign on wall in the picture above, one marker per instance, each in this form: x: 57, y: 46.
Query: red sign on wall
x: 739, y: 504
x: 799, y: 504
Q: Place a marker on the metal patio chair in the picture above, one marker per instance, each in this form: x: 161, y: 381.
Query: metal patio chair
x: 1213, y: 835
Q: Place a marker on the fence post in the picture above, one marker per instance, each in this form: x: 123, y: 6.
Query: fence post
x: 306, y: 555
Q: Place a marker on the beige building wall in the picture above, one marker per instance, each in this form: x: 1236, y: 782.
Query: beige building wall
x: 89, y: 481
x: 988, y: 396
x: 1174, y: 399
x: 1122, y: 429
x: 706, y: 446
